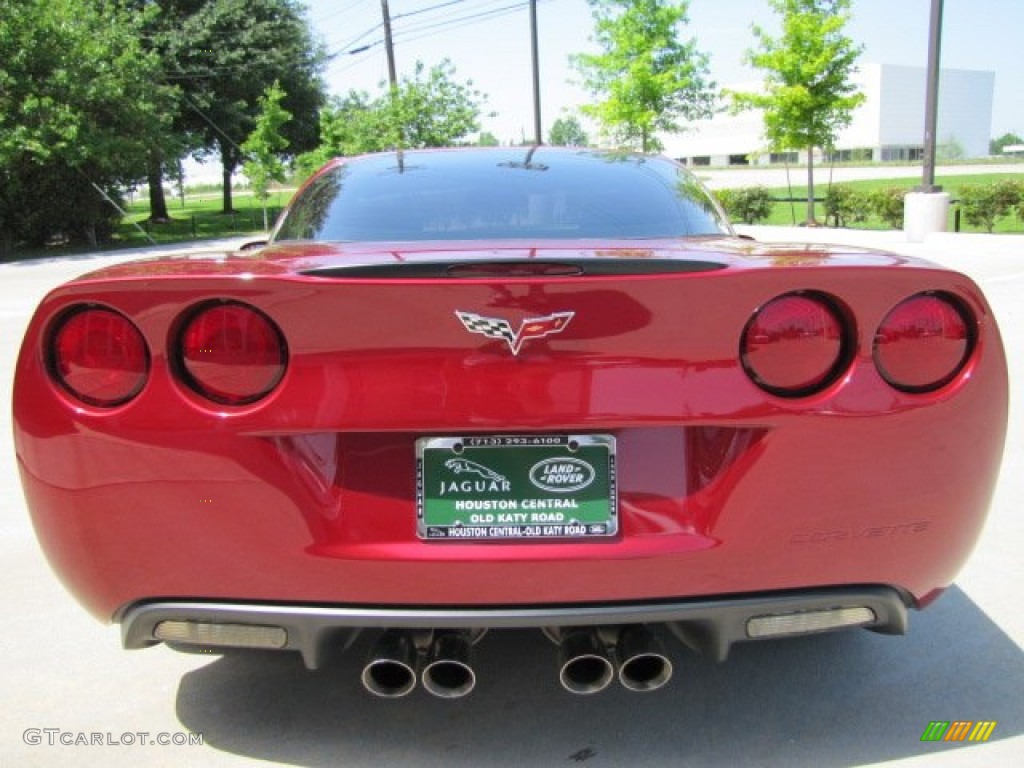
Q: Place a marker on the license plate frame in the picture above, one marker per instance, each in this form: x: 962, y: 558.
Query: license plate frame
x: 516, y: 488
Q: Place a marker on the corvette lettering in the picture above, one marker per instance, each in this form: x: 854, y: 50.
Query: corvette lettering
x: 529, y: 328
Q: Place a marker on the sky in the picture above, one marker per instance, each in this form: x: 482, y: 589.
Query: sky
x: 488, y: 41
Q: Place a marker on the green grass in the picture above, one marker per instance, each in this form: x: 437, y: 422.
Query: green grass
x: 199, y: 217
x: 785, y: 214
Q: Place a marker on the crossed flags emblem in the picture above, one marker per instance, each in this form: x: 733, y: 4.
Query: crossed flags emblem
x: 529, y: 328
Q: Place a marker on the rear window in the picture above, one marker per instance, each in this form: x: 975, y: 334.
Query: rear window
x: 496, y: 195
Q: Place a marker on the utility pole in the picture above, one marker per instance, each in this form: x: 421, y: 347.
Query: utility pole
x: 926, y: 209
x: 537, y: 136
x: 931, y: 105
x: 389, y: 46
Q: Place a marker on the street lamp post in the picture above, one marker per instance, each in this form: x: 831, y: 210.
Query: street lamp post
x: 926, y: 209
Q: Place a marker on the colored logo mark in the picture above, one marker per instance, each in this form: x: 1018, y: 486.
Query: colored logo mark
x: 958, y: 730
x: 530, y: 328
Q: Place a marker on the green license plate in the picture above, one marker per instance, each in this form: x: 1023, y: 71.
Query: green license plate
x: 516, y: 487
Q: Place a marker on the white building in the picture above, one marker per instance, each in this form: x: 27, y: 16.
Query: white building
x: 888, y: 126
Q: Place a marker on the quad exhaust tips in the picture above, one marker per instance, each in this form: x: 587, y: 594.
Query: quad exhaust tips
x: 586, y: 667
x: 448, y: 673
x: 588, y: 658
x: 390, y: 672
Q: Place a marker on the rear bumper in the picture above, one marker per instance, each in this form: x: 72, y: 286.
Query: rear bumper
x: 709, y: 626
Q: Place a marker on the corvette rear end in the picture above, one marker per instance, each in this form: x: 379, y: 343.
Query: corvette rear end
x: 613, y: 439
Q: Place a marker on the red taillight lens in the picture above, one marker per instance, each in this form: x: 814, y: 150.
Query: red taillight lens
x: 794, y: 345
x: 232, y: 354
x: 923, y: 342
x: 99, y: 357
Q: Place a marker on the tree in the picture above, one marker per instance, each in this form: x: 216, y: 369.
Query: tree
x: 567, y: 132
x: 429, y: 109
x: 808, y: 94
x: 265, y: 145
x: 647, y: 80
x: 996, y: 146
x: 951, y: 149
x: 223, y: 54
x: 80, y: 104
x: 487, y: 139
x: 435, y: 110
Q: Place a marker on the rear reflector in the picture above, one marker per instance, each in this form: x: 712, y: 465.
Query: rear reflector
x: 99, y: 357
x: 802, y: 622
x: 232, y: 354
x: 227, y: 635
x: 794, y: 345
x: 923, y: 343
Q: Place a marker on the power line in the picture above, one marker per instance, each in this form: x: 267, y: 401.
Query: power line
x: 458, y: 23
x: 430, y: 27
x: 340, y: 11
x: 344, y: 48
x: 428, y: 9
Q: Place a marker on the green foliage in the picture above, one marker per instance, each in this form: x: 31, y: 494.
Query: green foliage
x: 1009, y: 193
x: 846, y: 205
x: 430, y: 109
x: 567, y: 132
x: 224, y: 54
x: 265, y: 145
x: 435, y: 110
x: 748, y: 204
x: 487, y: 139
x: 996, y: 146
x: 647, y: 79
x: 80, y: 104
x: 950, y: 149
x: 808, y: 96
x: 887, y: 203
x: 982, y: 205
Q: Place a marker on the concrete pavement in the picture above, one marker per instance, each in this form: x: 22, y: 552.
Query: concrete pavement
x: 847, y: 699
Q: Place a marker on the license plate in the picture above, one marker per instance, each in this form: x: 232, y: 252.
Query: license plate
x: 523, y: 487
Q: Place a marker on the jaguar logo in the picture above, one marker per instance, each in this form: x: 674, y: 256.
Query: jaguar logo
x: 489, y: 482
x: 458, y: 466
x: 529, y: 328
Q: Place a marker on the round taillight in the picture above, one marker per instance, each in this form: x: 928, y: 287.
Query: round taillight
x: 232, y: 354
x: 924, y: 342
x: 99, y: 357
x: 794, y: 345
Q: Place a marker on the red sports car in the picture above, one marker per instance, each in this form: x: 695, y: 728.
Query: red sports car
x: 481, y: 389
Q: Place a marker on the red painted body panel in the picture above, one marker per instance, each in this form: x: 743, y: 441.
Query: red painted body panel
x: 308, y: 495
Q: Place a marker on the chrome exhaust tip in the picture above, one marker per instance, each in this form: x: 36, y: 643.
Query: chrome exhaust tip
x: 390, y: 671
x: 643, y: 663
x: 584, y: 665
x: 449, y: 673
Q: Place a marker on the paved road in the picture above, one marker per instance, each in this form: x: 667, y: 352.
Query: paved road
x: 847, y: 699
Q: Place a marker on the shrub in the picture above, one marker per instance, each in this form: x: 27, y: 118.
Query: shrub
x: 1010, y: 196
x: 983, y: 205
x: 727, y: 199
x: 845, y: 205
x: 749, y: 204
x: 888, y: 205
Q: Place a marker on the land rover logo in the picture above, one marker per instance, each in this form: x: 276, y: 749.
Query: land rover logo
x: 562, y: 475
